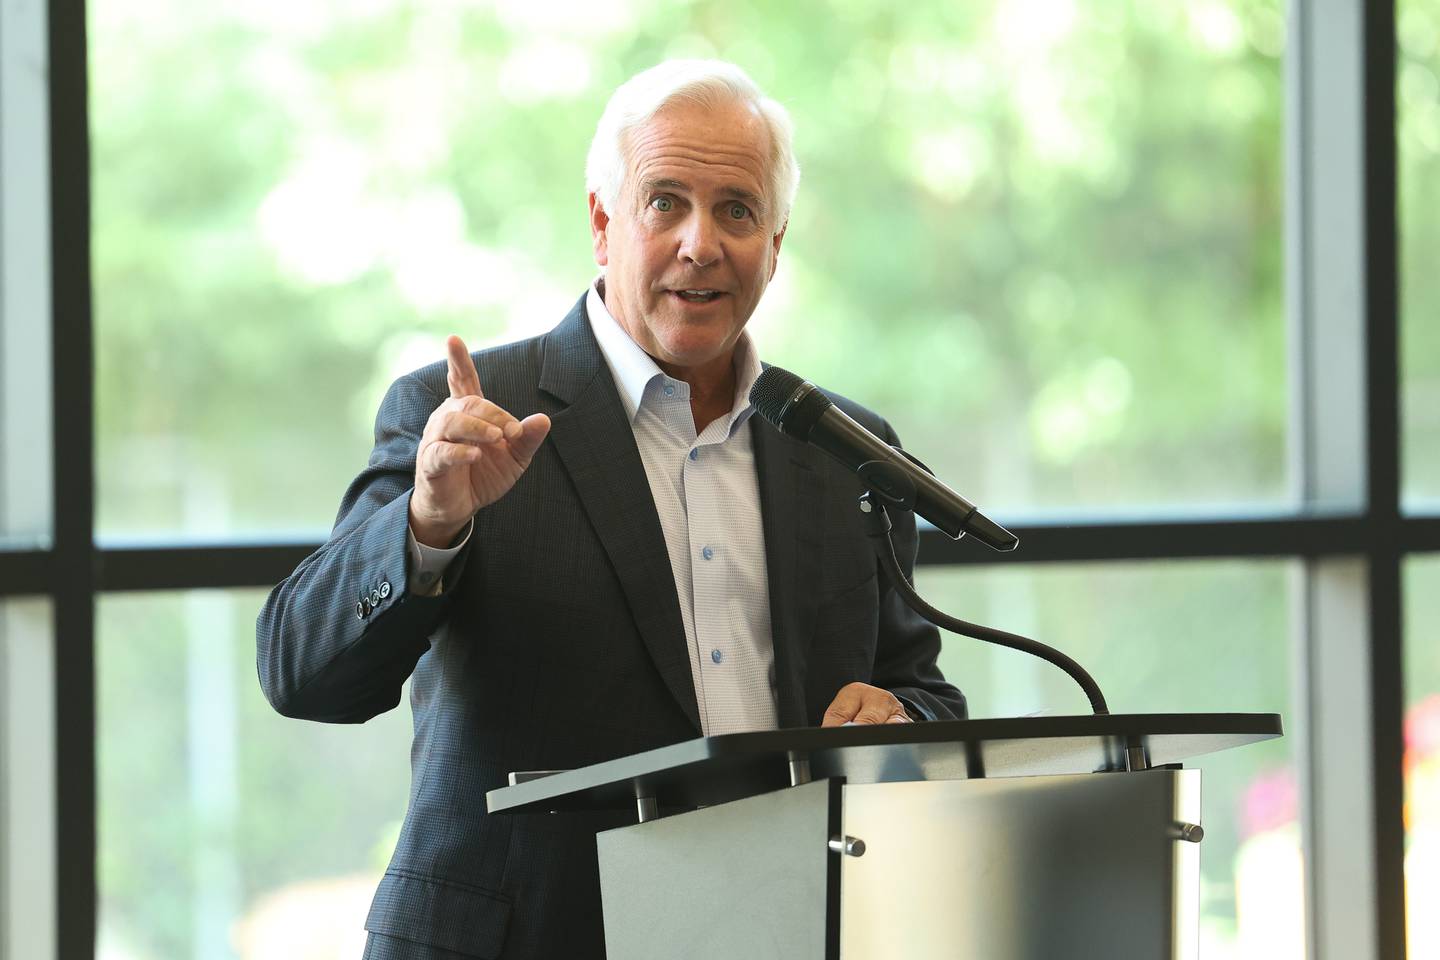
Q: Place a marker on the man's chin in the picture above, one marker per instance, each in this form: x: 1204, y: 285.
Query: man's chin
x: 693, y: 353
x: 692, y: 359
x: 695, y: 339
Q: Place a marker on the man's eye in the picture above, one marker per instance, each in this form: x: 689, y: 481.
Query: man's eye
x: 739, y: 211
x: 663, y: 204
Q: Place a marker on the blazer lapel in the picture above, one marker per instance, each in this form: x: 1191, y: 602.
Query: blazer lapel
x: 791, y: 492
x: 596, y: 444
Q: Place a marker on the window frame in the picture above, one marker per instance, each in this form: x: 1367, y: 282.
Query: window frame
x: 1348, y: 532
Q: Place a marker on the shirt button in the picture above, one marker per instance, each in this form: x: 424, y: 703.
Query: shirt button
x: 707, y: 553
x: 695, y: 454
x: 716, y: 655
x: 669, y: 390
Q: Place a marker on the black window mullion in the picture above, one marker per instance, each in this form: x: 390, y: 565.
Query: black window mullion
x: 73, y: 556
x: 26, y: 573
x: 1382, y: 415
x: 74, y: 571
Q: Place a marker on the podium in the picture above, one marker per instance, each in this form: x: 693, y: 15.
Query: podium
x: 1006, y: 839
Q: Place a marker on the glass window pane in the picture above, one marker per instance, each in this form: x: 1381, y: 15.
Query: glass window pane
x: 1202, y: 637
x: 27, y: 779
x: 227, y: 830
x: 25, y: 361
x: 1418, y: 103
x: 1046, y: 243
x: 1422, y: 754
x: 1048, y: 247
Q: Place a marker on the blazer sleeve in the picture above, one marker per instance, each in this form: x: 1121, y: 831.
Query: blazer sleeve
x: 908, y: 646
x: 325, y: 648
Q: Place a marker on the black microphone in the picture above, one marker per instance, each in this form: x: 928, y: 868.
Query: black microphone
x: 799, y: 409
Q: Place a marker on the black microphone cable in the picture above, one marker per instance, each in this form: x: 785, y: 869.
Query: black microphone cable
x: 878, y: 529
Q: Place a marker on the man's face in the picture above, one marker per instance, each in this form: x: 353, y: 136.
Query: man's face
x: 691, y: 244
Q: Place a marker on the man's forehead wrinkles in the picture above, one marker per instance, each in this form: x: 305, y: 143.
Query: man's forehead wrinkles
x: 661, y: 140
x: 686, y: 170
x: 700, y: 154
x: 732, y: 186
x: 699, y: 149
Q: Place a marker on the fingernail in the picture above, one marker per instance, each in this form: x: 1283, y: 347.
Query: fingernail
x: 513, y: 429
x: 493, y: 433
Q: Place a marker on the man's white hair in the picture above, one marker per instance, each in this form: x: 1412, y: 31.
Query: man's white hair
x: 708, y: 83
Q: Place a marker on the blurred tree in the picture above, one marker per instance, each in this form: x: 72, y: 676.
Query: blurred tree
x: 1042, y: 235
x: 1056, y: 222
x: 1418, y: 140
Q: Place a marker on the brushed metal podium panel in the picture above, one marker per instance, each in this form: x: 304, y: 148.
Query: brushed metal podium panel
x: 753, y: 879
x: 1023, y: 868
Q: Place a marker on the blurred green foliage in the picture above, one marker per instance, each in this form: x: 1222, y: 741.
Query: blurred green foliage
x: 1043, y: 237
x: 1422, y: 628
x: 206, y: 794
x: 1417, y: 93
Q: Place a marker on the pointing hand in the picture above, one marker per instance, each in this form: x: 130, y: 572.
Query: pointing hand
x: 470, y: 455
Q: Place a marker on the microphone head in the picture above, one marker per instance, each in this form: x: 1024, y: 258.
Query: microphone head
x: 792, y: 404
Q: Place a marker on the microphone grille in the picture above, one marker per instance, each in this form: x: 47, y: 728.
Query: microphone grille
x: 792, y: 404
x: 773, y: 389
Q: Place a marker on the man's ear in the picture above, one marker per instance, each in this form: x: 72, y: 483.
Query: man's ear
x: 775, y: 245
x: 599, y: 221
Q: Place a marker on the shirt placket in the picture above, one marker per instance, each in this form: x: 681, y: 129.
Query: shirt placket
x: 710, y: 558
x: 678, y: 440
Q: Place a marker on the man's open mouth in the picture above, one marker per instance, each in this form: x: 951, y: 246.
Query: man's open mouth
x: 697, y: 296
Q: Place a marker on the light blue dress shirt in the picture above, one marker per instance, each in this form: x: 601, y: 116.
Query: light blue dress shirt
x: 708, y: 499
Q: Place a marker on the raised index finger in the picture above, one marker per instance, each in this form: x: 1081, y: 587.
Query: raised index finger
x: 461, y: 374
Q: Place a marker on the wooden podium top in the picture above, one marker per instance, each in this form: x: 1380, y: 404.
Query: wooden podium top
x: 711, y: 770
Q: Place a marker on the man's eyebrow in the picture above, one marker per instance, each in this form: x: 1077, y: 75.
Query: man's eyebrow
x: 756, y: 201
x: 664, y: 183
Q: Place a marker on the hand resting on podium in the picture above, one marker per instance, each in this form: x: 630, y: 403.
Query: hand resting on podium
x: 860, y: 703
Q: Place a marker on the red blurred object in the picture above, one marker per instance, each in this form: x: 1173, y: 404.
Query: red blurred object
x: 1271, y: 800
x: 1422, y: 731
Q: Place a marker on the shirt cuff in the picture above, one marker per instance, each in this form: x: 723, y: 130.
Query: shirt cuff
x: 427, y: 564
x: 913, y: 710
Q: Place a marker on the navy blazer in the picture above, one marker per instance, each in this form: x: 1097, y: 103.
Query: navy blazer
x: 557, y: 642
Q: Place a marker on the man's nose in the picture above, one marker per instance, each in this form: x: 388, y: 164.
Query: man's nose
x: 700, y: 240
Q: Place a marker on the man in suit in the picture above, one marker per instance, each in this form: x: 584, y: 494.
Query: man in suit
x: 584, y: 545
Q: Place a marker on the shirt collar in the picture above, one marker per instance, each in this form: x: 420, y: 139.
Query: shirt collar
x: 633, y: 369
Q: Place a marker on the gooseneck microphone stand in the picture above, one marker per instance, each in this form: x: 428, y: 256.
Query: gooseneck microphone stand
x: 888, y: 485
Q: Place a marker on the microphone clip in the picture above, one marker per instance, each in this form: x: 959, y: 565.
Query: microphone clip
x: 876, y: 519
x: 888, y: 483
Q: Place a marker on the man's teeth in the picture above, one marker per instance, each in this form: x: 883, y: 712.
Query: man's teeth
x: 699, y: 296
